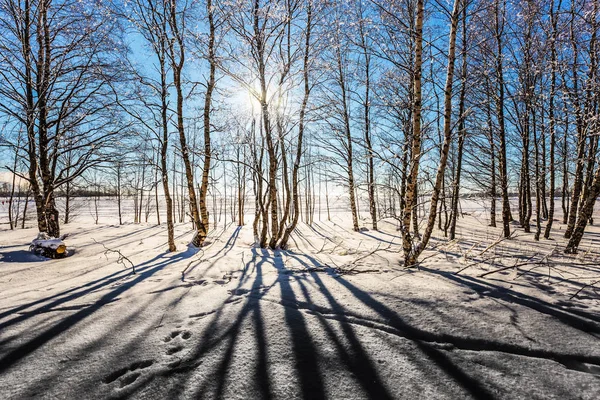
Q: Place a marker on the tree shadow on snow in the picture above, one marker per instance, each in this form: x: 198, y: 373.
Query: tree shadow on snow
x: 360, y: 363
x: 427, y: 341
x: 218, y: 348
x: 144, y: 271
x: 215, y: 336
x: 581, y: 320
x: 224, y: 333
x: 222, y: 336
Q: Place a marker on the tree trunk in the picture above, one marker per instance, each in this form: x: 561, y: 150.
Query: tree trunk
x: 12, y: 223
x: 585, y: 214
x: 418, y: 249
x: 462, y: 131
x: 538, y: 184
x: 553, y: 61
x: 581, y: 136
x: 565, y: 171
x: 210, y: 85
x: 411, y: 179
x: 119, y: 193
x: 177, y: 63
x: 506, y: 216
x: 24, y: 218
x: 367, y: 121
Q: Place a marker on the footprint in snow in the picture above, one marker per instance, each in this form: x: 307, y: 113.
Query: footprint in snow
x: 129, y: 374
x: 185, y: 335
x: 129, y: 379
x: 173, y: 350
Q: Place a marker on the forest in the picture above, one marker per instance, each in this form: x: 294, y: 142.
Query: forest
x: 412, y: 182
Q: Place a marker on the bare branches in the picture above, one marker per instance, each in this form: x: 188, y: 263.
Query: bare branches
x: 121, y: 259
x: 593, y: 285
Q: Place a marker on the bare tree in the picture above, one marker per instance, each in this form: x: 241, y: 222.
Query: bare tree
x: 64, y: 54
x: 177, y: 17
x: 412, y: 252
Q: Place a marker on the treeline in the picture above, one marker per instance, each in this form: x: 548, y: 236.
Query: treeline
x: 403, y: 105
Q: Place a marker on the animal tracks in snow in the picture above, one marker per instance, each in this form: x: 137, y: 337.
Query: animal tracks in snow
x: 185, y: 335
x: 126, y: 376
x: 178, y: 335
x: 175, y: 349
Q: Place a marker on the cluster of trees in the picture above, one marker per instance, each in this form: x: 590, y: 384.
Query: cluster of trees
x: 405, y: 104
x: 57, y: 62
x: 15, y: 201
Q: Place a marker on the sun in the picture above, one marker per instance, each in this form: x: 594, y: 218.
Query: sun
x: 246, y: 98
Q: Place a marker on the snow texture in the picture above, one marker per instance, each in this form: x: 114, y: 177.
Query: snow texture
x: 43, y: 240
x: 333, y: 317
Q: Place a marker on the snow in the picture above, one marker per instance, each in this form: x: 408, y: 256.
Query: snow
x: 333, y: 317
x: 45, y: 241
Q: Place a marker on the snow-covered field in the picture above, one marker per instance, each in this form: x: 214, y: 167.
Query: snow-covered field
x: 333, y: 317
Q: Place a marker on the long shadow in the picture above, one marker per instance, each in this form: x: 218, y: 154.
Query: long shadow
x: 232, y: 239
x: 98, y: 283
x: 380, y: 239
x: 305, y: 352
x: 318, y: 232
x: 344, y: 229
x: 228, y: 245
x: 133, y: 242
x: 304, y: 349
x: 423, y: 338
x: 327, y: 229
x: 119, y: 236
x: 573, y: 318
x: 535, y: 278
x: 220, y: 375
x: 72, y: 277
x: 358, y: 363
x: 51, y: 284
x: 389, y: 234
x: 211, y: 338
x: 356, y: 359
x: 91, y: 287
x: 230, y: 242
x: 303, y: 237
x: 262, y: 372
x: 470, y: 384
x: 134, y: 318
x: 24, y: 349
x: 20, y: 256
x: 370, y: 381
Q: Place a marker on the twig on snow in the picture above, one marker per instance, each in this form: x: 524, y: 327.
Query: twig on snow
x: 593, y: 284
x: 122, y: 258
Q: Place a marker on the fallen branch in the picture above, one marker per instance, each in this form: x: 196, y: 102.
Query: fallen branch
x: 540, y: 262
x: 585, y: 286
x: 475, y: 263
x: 366, y: 255
x: 121, y: 260
x: 378, y: 248
x: 497, y: 242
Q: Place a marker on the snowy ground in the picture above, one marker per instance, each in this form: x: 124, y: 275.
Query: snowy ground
x: 334, y: 317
